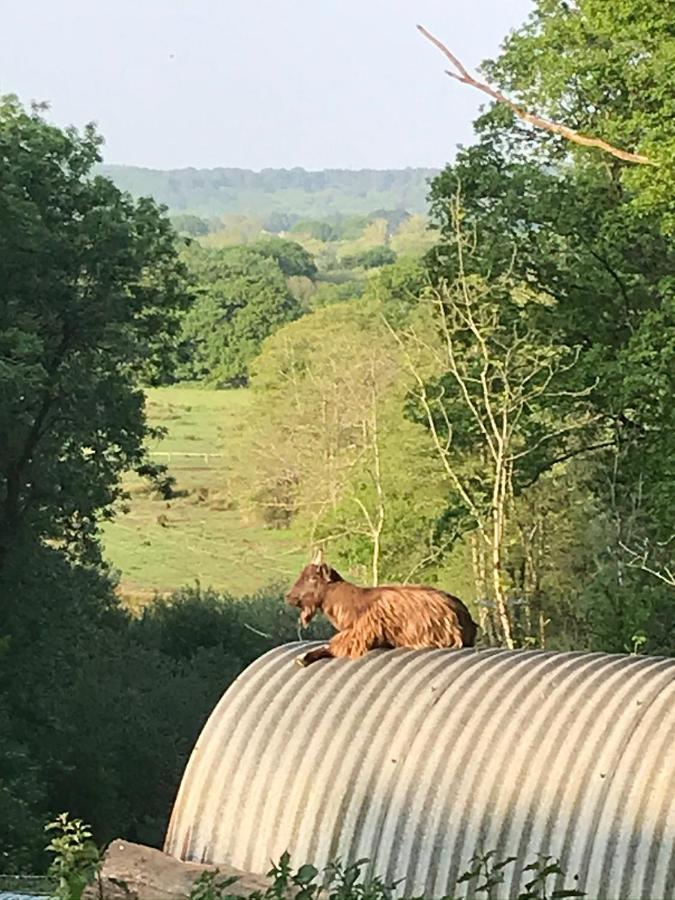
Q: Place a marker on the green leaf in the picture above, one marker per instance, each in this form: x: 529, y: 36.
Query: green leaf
x: 305, y: 874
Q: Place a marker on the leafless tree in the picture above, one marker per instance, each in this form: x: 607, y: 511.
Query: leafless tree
x: 502, y: 376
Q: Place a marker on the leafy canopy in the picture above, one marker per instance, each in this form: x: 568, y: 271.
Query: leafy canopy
x: 90, y: 296
x: 242, y: 296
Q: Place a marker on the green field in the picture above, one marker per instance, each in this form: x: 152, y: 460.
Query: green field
x: 203, y: 534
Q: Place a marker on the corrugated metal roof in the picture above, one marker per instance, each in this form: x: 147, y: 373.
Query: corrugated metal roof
x: 417, y: 759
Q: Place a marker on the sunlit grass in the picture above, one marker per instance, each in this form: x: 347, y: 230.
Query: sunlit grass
x: 204, y: 534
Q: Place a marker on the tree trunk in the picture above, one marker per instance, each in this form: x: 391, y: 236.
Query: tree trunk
x: 500, y: 596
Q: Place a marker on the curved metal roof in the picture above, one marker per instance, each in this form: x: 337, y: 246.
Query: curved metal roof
x: 416, y: 759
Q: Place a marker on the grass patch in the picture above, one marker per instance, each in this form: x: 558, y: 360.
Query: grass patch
x: 200, y: 535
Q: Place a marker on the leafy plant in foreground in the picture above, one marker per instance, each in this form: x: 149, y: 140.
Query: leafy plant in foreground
x: 346, y: 882
x: 544, y: 868
x: 491, y: 873
x: 77, y: 859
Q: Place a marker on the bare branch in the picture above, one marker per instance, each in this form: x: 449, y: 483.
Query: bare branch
x: 576, y: 137
x: 639, y: 560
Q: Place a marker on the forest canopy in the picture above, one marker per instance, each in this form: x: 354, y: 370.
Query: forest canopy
x: 277, y: 192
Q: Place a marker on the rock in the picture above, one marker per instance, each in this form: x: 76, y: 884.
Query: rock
x: 134, y: 872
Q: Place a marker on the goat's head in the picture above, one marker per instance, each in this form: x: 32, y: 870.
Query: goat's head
x: 309, y: 590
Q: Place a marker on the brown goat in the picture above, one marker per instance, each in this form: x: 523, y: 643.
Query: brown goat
x: 392, y: 615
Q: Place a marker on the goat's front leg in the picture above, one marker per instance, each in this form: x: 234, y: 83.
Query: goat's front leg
x: 355, y: 641
x: 307, y: 659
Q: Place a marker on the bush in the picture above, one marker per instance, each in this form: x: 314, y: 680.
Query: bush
x: 370, y: 259
x: 99, y: 710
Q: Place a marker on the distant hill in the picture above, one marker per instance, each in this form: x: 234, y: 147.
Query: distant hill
x: 332, y: 192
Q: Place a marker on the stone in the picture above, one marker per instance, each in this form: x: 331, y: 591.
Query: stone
x: 135, y: 872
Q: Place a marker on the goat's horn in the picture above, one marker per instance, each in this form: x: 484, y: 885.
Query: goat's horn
x: 318, y: 557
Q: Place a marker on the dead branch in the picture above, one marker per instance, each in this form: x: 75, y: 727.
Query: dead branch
x: 576, y: 137
x: 639, y: 559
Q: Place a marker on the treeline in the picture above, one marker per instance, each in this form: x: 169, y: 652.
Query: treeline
x: 331, y: 227
x: 212, y: 192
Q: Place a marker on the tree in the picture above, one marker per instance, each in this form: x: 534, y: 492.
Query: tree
x: 327, y: 292
x: 99, y: 709
x: 394, y: 291
x: 241, y: 298
x: 589, y: 230
x: 370, y: 259
x: 321, y: 231
x: 614, y: 79
x: 413, y: 238
x: 277, y: 222
x: 291, y: 257
x: 333, y: 453
x: 90, y: 297
x: 497, y: 407
x: 191, y: 225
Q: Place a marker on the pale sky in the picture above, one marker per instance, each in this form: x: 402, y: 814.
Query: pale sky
x: 255, y: 83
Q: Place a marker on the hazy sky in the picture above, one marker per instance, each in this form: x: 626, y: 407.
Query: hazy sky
x: 255, y: 83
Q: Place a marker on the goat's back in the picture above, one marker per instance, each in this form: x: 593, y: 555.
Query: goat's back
x: 411, y: 608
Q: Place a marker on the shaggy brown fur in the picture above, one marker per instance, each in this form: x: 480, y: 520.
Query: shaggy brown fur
x: 393, y: 615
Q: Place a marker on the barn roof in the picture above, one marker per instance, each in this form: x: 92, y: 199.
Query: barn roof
x: 417, y: 759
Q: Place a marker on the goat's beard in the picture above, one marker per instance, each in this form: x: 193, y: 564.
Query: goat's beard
x: 306, y: 616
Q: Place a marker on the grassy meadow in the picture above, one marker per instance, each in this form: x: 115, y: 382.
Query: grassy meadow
x: 203, y: 534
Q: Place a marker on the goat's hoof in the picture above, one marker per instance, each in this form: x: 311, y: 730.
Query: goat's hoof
x: 301, y: 661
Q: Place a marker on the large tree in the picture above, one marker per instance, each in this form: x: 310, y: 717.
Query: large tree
x: 592, y: 232
x: 242, y: 296
x: 332, y: 449
x: 90, y: 293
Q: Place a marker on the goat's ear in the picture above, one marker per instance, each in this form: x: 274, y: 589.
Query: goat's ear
x: 324, y: 572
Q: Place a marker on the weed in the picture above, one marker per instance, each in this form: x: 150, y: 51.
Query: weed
x: 346, y: 882
x: 77, y: 859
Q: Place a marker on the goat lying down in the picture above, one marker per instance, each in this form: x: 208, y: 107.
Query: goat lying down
x: 393, y: 615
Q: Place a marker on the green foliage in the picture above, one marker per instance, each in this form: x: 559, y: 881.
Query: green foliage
x: 232, y: 230
x: 321, y: 231
x: 589, y: 232
x: 241, y: 297
x: 542, y: 869
x: 77, y: 859
x: 328, y: 292
x: 190, y: 225
x: 291, y: 193
x: 331, y: 448
x: 614, y: 79
x: 210, y: 886
x: 350, y: 228
x: 341, y: 881
x: 395, y: 291
x: 370, y: 259
x: 105, y: 708
x: 291, y: 258
x: 413, y: 237
x: 21, y: 799
x: 90, y: 295
x: 277, y: 222
x: 487, y: 872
